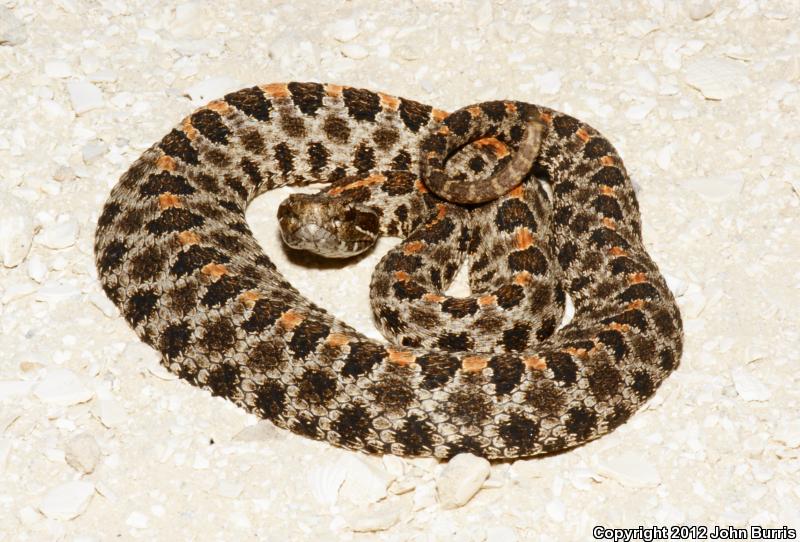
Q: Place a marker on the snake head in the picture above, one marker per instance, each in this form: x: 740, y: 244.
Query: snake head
x: 328, y: 226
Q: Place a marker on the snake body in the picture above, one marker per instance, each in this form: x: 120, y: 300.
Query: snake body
x: 175, y: 254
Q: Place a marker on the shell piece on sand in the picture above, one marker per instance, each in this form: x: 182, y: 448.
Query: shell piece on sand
x: 629, y: 469
x: 59, y: 235
x: 717, y: 188
x: 16, y: 230
x: 748, y: 386
x: 84, y: 96
x: 62, y: 387
x: 717, y: 78
x: 373, y: 517
x: 364, y: 481
x: 68, y: 500
x: 82, y: 453
x: 461, y: 479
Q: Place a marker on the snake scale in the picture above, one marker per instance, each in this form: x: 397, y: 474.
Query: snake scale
x: 175, y: 254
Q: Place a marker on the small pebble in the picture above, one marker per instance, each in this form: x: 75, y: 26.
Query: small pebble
x: 639, y: 28
x: 788, y: 433
x: 102, y: 302
x: 583, y: 478
x: 93, y: 150
x: 161, y: 372
x: 754, y: 446
x: 671, y: 55
x: 402, y: 486
x: 82, y: 453
x: 646, y: 79
x: 556, y: 510
x: 549, y: 82
x: 395, y: 465
x: 64, y: 174
x: 498, y: 477
x: 373, y: 517
x: 37, y: 270
x: 664, y: 156
x: 263, y: 431
x: 62, y: 387
x: 628, y: 468
x: 748, y: 386
x: 354, y: 51
x: 211, y: 89
x: 84, y: 96
x: 501, y: 533
x: 424, y: 496
x: 137, y: 520
x: 68, y: 500
x: 776, y: 15
x: 190, y: 20
x: 693, y: 301
x: 192, y: 47
x: 600, y: 108
x: 344, y: 29
x: 200, y: 462
x: 230, y: 489
x: 289, y: 48
x: 10, y: 389
x: 57, y: 69
x: 639, y: 112
x: 364, y: 482
x: 484, y: 12
x: 12, y: 30
x: 16, y: 230
x: 717, y: 78
x: 138, y: 353
x: 676, y: 285
x: 90, y: 63
x: 55, y: 291
x: 17, y: 290
x: 325, y: 481
x: 461, y: 479
x: 761, y: 472
x: 717, y: 188
x: 542, y: 23
x: 111, y: 413
x: 28, y: 515
x: 407, y: 52
x: 700, y: 9
x: 59, y: 235
x: 754, y: 140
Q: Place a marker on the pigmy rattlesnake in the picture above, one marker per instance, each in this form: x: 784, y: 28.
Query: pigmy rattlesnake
x: 490, y: 373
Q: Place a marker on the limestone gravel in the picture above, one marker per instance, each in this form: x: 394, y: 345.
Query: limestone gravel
x: 701, y: 97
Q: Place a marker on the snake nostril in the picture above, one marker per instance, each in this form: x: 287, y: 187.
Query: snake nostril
x: 285, y: 211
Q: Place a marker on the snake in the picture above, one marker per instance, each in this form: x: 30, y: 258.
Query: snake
x: 174, y: 252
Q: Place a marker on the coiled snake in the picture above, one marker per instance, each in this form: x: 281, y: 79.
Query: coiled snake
x: 489, y: 374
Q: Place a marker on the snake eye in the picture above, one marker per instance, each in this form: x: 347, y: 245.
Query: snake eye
x: 367, y: 221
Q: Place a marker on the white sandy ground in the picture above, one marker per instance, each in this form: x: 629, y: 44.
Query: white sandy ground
x: 700, y: 98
